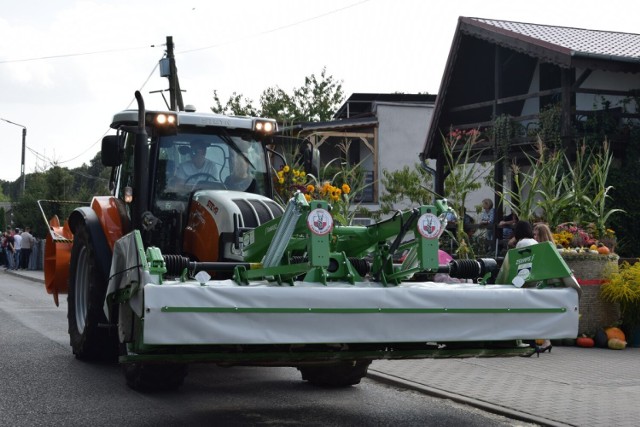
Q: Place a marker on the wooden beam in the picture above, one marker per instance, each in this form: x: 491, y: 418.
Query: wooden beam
x: 505, y: 100
x: 585, y: 74
x: 497, y: 79
x: 341, y: 134
x: 605, y: 92
x: 615, y: 114
x: 487, y: 123
x: 566, y: 117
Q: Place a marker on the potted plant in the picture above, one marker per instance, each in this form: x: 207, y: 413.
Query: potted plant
x: 623, y: 288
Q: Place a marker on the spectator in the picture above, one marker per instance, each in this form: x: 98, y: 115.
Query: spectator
x: 523, y: 235
x: 542, y: 233
x: 507, y: 225
x: 9, y: 249
x: 486, y: 218
x: 484, y: 234
x: 3, y: 250
x: 17, y: 248
x: 27, y: 243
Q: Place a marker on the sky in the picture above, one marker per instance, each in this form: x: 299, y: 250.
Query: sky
x: 67, y: 66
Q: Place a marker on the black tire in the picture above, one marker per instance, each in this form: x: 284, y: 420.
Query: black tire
x: 87, y: 289
x: 344, y: 374
x: 154, y: 377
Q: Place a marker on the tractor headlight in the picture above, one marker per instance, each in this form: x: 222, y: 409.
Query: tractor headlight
x: 164, y: 123
x: 168, y: 119
x: 265, y: 126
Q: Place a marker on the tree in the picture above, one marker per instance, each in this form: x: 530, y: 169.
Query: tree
x: 317, y: 100
x: 406, y: 184
x: 236, y: 105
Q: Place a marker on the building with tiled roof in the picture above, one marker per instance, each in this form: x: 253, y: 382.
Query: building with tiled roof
x: 527, y: 72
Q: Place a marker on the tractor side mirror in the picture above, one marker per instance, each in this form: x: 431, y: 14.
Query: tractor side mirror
x: 112, y: 150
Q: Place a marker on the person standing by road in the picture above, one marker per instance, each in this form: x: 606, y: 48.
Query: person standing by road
x: 17, y: 247
x: 3, y: 250
x: 542, y: 233
x: 9, y: 249
x: 27, y: 244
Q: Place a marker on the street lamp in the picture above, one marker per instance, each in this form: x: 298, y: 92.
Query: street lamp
x: 24, y: 144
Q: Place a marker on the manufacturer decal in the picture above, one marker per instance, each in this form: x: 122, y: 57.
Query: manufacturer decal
x: 429, y: 226
x: 320, y: 222
x: 212, y: 207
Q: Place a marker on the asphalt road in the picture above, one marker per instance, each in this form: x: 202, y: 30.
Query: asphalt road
x: 42, y: 384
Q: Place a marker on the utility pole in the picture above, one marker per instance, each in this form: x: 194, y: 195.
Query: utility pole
x: 24, y: 145
x: 175, y: 95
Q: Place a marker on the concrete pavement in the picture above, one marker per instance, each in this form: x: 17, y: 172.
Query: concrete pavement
x: 569, y: 386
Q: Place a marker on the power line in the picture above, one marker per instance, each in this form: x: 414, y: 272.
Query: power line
x: 51, y: 162
x: 99, y: 52
x: 273, y: 30
x: 68, y: 55
x: 43, y: 158
x: 107, y: 131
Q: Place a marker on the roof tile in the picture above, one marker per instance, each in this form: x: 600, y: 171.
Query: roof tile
x: 578, y: 40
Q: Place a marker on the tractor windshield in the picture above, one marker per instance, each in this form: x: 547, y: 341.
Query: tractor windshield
x: 194, y: 161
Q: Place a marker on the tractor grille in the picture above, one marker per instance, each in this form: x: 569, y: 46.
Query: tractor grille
x: 257, y: 212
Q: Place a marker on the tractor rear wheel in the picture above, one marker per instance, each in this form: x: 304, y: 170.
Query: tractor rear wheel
x: 85, y: 315
x: 344, y: 374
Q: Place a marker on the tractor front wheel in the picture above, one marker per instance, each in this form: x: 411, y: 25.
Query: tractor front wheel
x: 89, y: 335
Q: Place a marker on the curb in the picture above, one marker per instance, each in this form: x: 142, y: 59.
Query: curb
x: 24, y: 276
x: 485, y: 406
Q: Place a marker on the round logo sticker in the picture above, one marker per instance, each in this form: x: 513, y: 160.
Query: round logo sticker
x: 429, y: 226
x: 320, y: 222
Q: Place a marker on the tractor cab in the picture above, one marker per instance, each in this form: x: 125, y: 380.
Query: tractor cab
x: 176, y: 161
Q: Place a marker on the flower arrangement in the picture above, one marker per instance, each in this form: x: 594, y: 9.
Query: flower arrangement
x: 337, y: 195
x: 326, y: 191
x: 457, y: 134
x: 581, y: 242
x: 570, y: 235
x: 288, y: 180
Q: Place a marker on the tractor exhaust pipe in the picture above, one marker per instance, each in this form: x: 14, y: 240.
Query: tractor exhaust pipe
x: 141, y: 168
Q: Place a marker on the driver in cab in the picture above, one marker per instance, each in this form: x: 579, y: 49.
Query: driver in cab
x: 198, y: 165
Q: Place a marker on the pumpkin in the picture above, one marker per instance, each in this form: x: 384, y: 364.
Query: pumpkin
x: 585, y: 342
x: 616, y: 344
x: 615, y: 333
x: 593, y: 247
x: 539, y: 342
x: 603, y: 250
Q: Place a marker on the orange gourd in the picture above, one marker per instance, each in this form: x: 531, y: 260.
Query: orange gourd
x: 585, y: 342
x: 615, y: 333
x: 603, y: 250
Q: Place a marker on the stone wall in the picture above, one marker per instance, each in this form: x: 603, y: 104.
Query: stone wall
x: 591, y: 270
